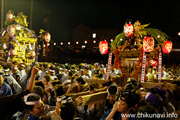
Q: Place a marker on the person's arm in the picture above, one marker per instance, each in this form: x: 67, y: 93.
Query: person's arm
x: 114, y: 110
x: 32, y: 79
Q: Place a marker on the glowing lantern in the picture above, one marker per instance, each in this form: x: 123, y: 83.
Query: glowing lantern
x: 32, y: 53
x: 128, y: 29
x: 47, y: 37
x: 148, y: 44
x: 167, y: 47
x: 103, y: 47
x: 9, y: 16
x: 13, y: 52
x: 153, y: 63
x: 10, y: 30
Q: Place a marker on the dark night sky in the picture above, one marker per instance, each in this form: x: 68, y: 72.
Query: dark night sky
x: 66, y: 14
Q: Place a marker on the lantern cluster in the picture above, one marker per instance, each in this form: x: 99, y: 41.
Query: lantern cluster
x: 103, y: 47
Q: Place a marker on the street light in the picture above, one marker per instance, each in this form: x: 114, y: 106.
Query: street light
x: 85, y: 41
x: 77, y: 42
x: 61, y: 43
x: 69, y: 43
x: 94, y: 41
x: 179, y: 33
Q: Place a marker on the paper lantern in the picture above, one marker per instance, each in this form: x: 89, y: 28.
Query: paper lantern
x: 148, y: 44
x: 10, y: 30
x: 9, y: 16
x: 13, y: 52
x: 1, y: 52
x: 32, y: 53
x: 103, y: 47
x: 47, y: 37
x: 167, y: 46
x: 128, y: 29
x: 153, y: 63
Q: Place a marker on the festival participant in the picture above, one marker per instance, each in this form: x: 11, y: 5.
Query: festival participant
x: 9, y: 79
x: 85, y: 74
x: 51, y: 72
x: 35, y: 106
x: 13, y: 103
x: 78, y: 86
x: 5, y: 89
x: 43, y: 70
x: 21, y: 68
x: 16, y: 73
x: 111, y: 97
x: 24, y: 81
x: 122, y: 108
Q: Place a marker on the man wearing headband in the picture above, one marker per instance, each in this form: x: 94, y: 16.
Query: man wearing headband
x: 111, y: 97
x: 9, y: 79
x: 35, y: 106
x: 13, y: 103
x: 122, y: 108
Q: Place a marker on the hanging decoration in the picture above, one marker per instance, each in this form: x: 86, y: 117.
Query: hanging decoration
x: 103, y: 47
x: 1, y: 52
x: 128, y: 29
x: 153, y: 63
x: 32, y: 54
x: 13, y: 52
x: 159, y: 67
x: 148, y: 44
x: 109, y: 66
x: 10, y: 30
x: 10, y: 16
x: 167, y: 47
x: 47, y: 37
x: 143, y: 70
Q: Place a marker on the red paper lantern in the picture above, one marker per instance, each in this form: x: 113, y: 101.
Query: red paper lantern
x: 9, y: 16
x: 103, y: 47
x: 32, y: 53
x: 167, y: 46
x: 13, y: 52
x: 10, y: 30
x: 128, y: 29
x: 148, y: 44
x: 47, y: 37
x: 153, y: 63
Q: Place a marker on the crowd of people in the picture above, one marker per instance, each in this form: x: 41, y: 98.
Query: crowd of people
x: 44, y: 91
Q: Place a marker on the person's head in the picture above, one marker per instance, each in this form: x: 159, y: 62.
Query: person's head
x: 58, y: 89
x: 79, y: 80
x: 67, y: 107
x: 112, y: 93
x: 69, y: 75
x: 46, y: 79
x: 126, y: 101
x: 129, y: 87
x: 38, y: 90
x: 1, y: 78
x: 27, y: 68
x: 44, y: 66
x: 34, y: 104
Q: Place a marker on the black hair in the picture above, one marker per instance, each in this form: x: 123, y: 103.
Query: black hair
x: 81, y: 80
x: 112, y: 90
x: 48, y: 77
x: 32, y: 98
x: 130, y: 98
x: 38, y: 90
x: 58, y: 89
x: 68, y: 111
